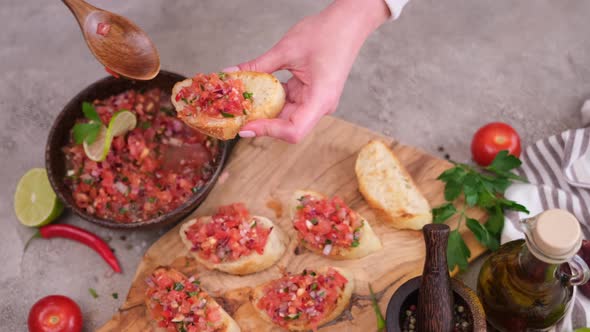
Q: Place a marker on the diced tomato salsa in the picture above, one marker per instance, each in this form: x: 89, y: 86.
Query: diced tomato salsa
x: 215, y: 95
x: 327, y: 224
x: 230, y: 234
x: 103, y: 28
x: 305, y: 298
x: 132, y: 184
x: 179, y: 304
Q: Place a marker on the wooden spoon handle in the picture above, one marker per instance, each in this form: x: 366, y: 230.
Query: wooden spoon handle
x: 435, y: 298
x: 80, y: 9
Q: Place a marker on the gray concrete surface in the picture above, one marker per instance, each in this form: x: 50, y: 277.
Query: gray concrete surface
x: 429, y: 79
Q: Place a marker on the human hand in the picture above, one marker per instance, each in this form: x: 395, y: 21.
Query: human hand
x: 319, y: 52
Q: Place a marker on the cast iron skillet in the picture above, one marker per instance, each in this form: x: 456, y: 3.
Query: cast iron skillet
x: 59, y: 135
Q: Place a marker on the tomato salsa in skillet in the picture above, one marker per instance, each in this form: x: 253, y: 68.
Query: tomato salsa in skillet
x: 133, y: 183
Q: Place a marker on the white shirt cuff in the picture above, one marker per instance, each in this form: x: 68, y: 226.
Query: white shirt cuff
x: 395, y: 7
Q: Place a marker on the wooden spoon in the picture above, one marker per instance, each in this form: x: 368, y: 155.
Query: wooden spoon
x: 126, y: 49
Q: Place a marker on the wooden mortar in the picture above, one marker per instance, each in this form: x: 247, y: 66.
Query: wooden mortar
x: 434, y: 291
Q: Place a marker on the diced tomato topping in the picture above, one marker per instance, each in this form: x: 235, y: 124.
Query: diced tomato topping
x: 178, y: 303
x: 113, y: 73
x: 132, y: 183
x: 230, y: 234
x: 103, y: 28
x: 327, y: 224
x: 216, y: 96
x: 306, y: 298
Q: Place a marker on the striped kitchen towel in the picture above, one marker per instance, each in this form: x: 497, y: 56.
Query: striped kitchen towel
x: 558, y: 171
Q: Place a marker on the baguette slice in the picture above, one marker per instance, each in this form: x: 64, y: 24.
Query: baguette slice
x: 341, y: 303
x: 368, y: 241
x: 273, y: 251
x: 268, y: 100
x: 388, y: 188
x: 154, y: 308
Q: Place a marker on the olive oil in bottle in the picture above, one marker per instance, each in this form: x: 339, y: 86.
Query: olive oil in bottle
x: 523, y: 285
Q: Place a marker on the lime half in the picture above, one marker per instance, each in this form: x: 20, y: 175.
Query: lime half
x: 120, y: 124
x: 35, y: 203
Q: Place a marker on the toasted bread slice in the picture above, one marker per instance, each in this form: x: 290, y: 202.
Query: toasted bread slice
x: 388, y: 188
x: 255, y: 262
x: 341, y: 303
x: 368, y: 240
x: 154, y: 308
x: 268, y: 99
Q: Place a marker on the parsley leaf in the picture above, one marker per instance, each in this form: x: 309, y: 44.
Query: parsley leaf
x: 504, y: 162
x: 471, y: 188
x: 495, y: 222
x: 292, y: 316
x: 115, y: 295
x: 452, y: 190
x: 90, y: 112
x: 247, y: 95
x: 477, y: 187
x: 457, y: 251
x: 443, y: 212
x: 178, y: 286
x: 93, y: 292
x: 482, y: 235
x: 86, y: 132
x: 227, y: 115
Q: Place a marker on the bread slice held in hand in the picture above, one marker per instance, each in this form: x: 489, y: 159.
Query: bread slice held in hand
x: 219, y: 105
x: 388, y: 188
x: 321, y: 296
x: 232, y: 241
x: 169, y: 292
x: 328, y: 227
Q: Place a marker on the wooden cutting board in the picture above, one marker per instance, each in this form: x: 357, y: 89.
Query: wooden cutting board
x: 263, y: 173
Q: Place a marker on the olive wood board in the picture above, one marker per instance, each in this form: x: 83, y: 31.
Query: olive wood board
x: 263, y: 173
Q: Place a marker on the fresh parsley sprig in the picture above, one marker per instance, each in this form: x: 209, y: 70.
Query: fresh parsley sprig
x: 87, y: 132
x: 483, y: 188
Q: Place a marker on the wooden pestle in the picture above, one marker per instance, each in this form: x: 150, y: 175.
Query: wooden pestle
x: 435, y: 298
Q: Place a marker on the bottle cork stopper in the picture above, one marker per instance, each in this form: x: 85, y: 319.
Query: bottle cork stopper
x: 557, y: 234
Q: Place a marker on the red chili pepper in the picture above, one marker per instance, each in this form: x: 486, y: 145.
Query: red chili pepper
x: 78, y: 234
x: 110, y: 71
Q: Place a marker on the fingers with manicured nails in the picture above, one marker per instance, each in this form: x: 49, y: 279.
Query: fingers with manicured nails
x: 291, y: 126
x: 271, y: 61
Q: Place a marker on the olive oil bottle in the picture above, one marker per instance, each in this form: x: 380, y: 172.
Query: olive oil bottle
x: 526, y: 285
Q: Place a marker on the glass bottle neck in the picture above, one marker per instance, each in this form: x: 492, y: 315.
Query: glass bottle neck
x: 535, y: 269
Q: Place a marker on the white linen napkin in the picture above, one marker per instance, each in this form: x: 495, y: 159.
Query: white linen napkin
x: 558, y: 171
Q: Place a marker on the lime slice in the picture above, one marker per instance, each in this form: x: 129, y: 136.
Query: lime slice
x: 35, y: 203
x: 120, y: 124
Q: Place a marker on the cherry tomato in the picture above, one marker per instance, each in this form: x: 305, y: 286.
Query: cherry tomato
x: 55, y: 313
x: 493, y: 138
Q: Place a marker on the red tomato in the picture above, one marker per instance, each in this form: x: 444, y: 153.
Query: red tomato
x: 103, y: 28
x: 110, y: 71
x: 55, y: 313
x: 493, y: 138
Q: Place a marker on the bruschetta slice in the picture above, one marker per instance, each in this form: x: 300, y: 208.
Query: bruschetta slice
x: 233, y: 241
x: 219, y: 104
x: 327, y: 226
x: 389, y: 189
x: 177, y: 303
x: 304, y: 301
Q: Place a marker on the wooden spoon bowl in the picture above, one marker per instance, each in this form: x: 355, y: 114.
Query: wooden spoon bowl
x: 125, y: 49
